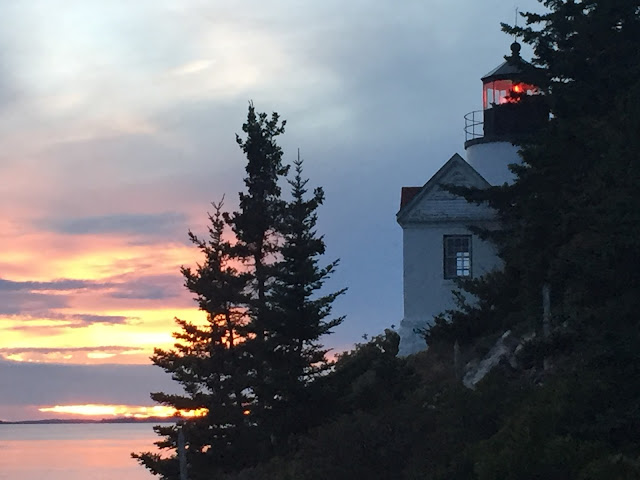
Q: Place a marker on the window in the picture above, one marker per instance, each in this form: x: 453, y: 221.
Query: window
x: 457, y: 256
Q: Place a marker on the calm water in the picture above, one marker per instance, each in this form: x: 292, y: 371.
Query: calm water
x: 74, y: 452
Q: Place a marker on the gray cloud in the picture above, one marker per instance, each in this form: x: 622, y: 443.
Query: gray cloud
x: 124, y: 223
x: 76, y: 320
x: 26, y: 300
x: 41, y: 330
x: 25, y: 303
x: 84, y: 319
x: 143, y: 293
x: 399, y: 81
x: 64, y: 284
x: 56, y: 384
x: 374, y: 94
x: 375, y: 101
x: 44, y: 350
x: 9, y: 89
x: 7, y: 92
x: 150, y: 287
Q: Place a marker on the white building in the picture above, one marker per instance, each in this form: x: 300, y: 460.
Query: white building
x: 438, y: 246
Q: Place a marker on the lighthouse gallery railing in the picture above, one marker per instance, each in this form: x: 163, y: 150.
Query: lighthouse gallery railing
x: 473, y: 125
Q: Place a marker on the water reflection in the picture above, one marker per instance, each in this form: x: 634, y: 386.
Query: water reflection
x: 74, y: 452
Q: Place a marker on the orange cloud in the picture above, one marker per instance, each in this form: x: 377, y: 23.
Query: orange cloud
x: 89, y: 292
x: 118, y: 411
x: 98, y: 354
x: 63, y: 296
x: 72, y: 283
x: 134, y: 343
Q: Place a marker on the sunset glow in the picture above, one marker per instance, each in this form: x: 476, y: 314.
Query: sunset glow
x: 85, y: 299
x: 118, y: 411
x: 118, y: 130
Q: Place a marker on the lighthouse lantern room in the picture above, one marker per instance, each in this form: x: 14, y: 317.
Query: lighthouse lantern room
x: 511, y: 110
x: 502, y: 85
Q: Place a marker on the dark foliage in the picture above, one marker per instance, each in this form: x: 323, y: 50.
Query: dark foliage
x: 299, y: 317
x: 251, y: 366
x: 571, y: 221
x: 207, y: 361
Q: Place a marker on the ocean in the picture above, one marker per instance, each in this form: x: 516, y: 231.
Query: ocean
x: 74, y: 452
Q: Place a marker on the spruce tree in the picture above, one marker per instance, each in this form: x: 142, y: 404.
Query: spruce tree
x: 294, y: 354
x: 250, y: 364
x: 277, y: 241
x: 207, y: 361
x: 257, y: 226
x: 570, y: 220
x: 578, y: 193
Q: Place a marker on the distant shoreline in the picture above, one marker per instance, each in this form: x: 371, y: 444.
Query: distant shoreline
x: 54, y: 421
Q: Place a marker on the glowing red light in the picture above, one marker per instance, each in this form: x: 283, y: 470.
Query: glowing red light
x: 499, y: 92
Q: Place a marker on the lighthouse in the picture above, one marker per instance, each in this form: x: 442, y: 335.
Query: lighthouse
x: 438, y: 244
x: 511, y: 110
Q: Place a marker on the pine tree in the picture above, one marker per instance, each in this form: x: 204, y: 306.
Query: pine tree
x: 207, y: 362
x: 257, y: 226
x: 571, y: 220
x: 573, y: 209
x: 277, y: 241
x: 584, y: 167
x: 250, y: 364
x: 257, y: 223
x: 294, y: 354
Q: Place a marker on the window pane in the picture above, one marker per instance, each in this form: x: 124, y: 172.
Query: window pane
x: 457, y: 256
x: 463, y: 264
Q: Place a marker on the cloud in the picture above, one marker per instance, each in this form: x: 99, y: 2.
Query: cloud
x: 46, y: 350
x: 58, y: 384
x: 28, y: 302
x: 47, y: 320
x: 9, y: 87
x: 24, y: 303
x: 146, y: 292
x: 121, y: 224
x: 84, y: 319
x: 374, y: 96
x: 62, y: 285
x: 189, y: 68
x: 149, y: 287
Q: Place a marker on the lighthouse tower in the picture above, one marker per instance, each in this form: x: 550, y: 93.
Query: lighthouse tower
x: 438, y: 246
x: 510, y: 111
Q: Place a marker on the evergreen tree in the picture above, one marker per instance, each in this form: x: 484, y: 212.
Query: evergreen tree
x: 584, y: 168
x: 571, y: 219
x: 207, y: 362
x: 248, y: 367
x: 573, y: 210
x: 257, y: 226
x: 294, y: 354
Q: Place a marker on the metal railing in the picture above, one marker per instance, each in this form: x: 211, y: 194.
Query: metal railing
x: 474, y: 125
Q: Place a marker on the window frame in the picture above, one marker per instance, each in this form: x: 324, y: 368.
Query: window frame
x: 445, y: 239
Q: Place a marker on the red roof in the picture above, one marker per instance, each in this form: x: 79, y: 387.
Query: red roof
x: 407, y: 194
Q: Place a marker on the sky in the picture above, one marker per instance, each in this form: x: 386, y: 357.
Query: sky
x: 117, y: 131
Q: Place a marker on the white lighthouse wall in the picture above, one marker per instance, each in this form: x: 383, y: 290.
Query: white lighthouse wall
x: 430, y: 215
x: 426, y: 292
x: 491, y: 160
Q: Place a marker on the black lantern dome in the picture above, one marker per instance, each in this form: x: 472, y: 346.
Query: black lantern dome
x: 509, y: 107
